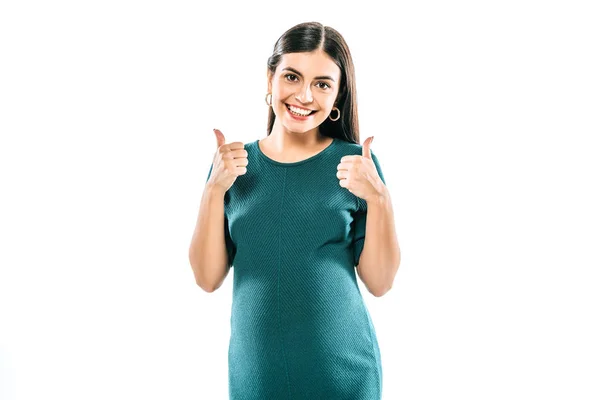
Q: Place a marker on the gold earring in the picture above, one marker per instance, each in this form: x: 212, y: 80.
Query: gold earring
x: 270, y: 101
x: 338, y: 116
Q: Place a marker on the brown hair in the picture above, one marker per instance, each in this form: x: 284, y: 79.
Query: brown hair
x: 311, y: 36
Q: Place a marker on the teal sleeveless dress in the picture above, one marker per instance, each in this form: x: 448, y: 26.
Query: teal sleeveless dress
x: 300, y: 329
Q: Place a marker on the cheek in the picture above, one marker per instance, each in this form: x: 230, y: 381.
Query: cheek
x: 282, y: 91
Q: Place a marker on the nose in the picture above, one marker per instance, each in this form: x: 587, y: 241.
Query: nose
x: 305, y: 94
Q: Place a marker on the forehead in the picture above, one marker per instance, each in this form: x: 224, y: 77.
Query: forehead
x: 310, y: 64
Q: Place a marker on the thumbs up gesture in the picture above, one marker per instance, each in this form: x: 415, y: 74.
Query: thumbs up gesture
x: 229, y: 162
x: 359, y: 175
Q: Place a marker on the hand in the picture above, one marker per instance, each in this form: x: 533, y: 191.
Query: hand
x: 229, y: 162
x: 359, y: 175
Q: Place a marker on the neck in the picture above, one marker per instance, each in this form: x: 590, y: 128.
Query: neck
x: 282, y: 137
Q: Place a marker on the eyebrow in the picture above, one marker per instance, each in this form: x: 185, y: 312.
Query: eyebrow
x: 316, y: 77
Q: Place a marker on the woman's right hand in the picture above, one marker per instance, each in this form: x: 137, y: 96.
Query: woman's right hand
x: 229, y: 162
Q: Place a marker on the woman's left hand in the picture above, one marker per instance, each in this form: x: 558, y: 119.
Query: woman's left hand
x: 359, y: 175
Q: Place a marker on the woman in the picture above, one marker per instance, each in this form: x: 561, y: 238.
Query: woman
x: 290, y: 212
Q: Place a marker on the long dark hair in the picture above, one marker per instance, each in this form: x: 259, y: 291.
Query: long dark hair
x: 311, y: 36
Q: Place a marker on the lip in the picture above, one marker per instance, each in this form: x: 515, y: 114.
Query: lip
x: 297, y: 117
x: 297, y: 106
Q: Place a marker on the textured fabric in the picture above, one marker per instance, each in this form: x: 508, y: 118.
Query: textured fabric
x: 299, y: 326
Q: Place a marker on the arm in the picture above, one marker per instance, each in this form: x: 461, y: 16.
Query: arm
x: 208, y: 252
x: 380, y: 257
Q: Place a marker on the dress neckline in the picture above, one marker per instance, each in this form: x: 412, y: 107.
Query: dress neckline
x: 295, y: 163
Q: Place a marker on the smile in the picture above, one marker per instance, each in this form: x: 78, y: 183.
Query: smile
x: 299, y: 112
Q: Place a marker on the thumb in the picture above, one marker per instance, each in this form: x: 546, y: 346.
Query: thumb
x: 220, y: 137
x: 366, y: 148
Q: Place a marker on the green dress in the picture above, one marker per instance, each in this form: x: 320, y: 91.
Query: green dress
x: 299, y: 326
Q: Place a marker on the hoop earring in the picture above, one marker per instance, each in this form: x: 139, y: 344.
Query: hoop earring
x: 270, y: 101
x: 339, y: 114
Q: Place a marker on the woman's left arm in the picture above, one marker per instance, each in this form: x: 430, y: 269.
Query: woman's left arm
x: 380, y: 257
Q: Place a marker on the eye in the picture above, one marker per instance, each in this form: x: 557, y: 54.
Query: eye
x: 292, y: 75
x: 326, y: 84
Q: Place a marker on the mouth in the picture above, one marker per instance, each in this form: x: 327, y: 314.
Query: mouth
x: 299, y: 112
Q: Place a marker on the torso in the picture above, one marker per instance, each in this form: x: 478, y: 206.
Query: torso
x: 299, y: 326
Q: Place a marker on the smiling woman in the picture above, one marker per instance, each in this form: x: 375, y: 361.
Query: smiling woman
x: 304, y: 90
x: 291, y: 212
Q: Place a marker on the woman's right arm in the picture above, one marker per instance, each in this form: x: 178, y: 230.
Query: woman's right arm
x: 208, y: 251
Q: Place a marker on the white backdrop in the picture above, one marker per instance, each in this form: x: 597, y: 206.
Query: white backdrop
x: 484, y: 116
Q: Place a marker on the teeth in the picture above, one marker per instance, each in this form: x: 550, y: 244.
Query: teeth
x: 299, y: 110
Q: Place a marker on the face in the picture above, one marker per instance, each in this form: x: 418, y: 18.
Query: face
x: 309, y: 81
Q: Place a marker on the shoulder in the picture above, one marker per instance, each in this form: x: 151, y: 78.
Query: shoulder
x: 349, y: 147
x: 353, y: 148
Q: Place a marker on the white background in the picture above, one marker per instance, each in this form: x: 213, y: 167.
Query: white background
x: 485, y: 116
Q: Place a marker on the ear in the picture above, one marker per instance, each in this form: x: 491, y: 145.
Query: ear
x: 337, y: 99
x: 269, y: 77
